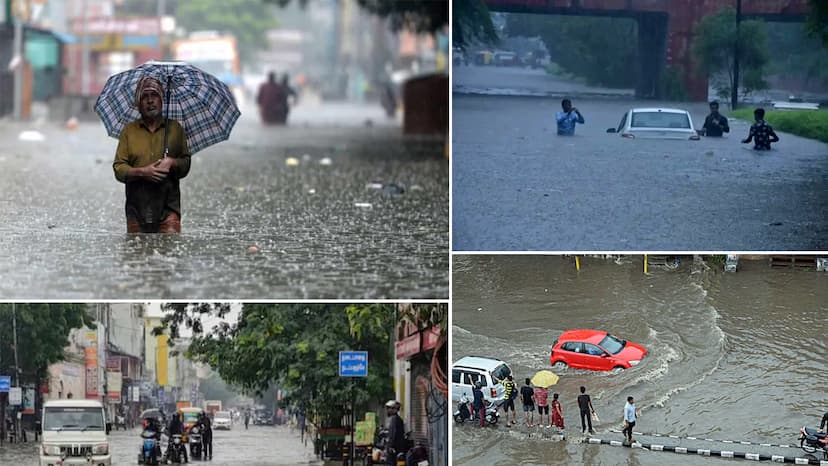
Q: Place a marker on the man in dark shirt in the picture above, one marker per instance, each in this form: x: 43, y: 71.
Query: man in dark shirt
x: 585, y: 406
x: 528, y: 394
x: 176, y: 427
x: 478, y: 405
x: 824, y: 423
x: 761, y: 131
x: 206, y: 435
x: 396, y: 432
x: 715, y: 124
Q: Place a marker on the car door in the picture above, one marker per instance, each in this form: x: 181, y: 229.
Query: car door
x: 574, y: 355
x: 457, y: 387
x: 595, y: 358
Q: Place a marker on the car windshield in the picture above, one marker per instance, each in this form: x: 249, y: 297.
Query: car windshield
x: 68, y: 418
x: 191, y: 417
x: 222, y: 415
x: 612, y: 344
x: 660, y: 120
x: 501, y: 372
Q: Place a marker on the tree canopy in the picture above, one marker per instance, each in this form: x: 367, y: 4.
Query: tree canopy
x: 42, y: 334
x: 715, y: 49
x: 818, y: 20
x: 472, y: 23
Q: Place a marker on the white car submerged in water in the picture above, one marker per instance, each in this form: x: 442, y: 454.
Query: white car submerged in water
x: 656, y: 123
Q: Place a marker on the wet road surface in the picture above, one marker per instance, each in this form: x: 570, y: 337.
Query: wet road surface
x: 261, y: 445
x: 519, y: 186
x: 322, y: 228
x: 731, y: 356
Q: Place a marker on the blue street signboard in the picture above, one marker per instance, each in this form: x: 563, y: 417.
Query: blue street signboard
x: 353, y: 364
x: 5, y: 383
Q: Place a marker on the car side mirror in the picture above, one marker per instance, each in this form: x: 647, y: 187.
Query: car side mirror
x: 108, y: 428
x: 604, y: 355
x: 611, y: 130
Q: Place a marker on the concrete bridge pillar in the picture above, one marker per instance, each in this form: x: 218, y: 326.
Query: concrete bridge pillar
x: 684, y: 14
x: 652, y: 50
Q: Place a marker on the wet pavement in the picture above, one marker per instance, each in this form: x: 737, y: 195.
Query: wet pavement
x: 261, y: 445
x: 731, y: 356
x: 324, y: 228
x: 519, y: 186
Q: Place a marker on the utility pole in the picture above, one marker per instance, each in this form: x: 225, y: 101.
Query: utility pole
x: 2, y: 402
x: 17, y: 55
x: 16, y: 419
x: 84, y: 51
x: 734, y: 96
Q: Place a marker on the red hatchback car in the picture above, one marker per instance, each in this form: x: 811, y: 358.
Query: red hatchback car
x: 595, y: 350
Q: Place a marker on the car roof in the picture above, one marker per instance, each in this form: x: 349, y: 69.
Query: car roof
x: 73, y: 404
x: 582, y: 334
x: 477, y: 362
x: 658, y: 109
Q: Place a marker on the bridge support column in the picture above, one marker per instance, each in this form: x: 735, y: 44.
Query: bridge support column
x: 652, y: 53
x: 684, y: 14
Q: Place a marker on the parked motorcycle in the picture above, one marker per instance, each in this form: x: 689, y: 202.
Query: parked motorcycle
x: 464, y: 412
x: 812, y: 440
x: 195, y: 442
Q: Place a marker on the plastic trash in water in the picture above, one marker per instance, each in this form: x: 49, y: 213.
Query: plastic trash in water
x: 325, y: 161
x: 373, y: 186
x: 363, y: 205
x: 311, y: 191
x: 306, y: 157
x: 33, y: 136
x: 291, y: 161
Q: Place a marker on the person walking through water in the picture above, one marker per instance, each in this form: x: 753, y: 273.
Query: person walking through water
x: 630, y: 416
x: 567, y: 118
x: 586, y: 409
x: 246, y: 419
x: 509, y: 401
x: 206, y: 436
x: 271, y: 100
x: 286, y: 103
x: 153, y: 196
x: 541, y: 397
x: 479, y: 405
x: 761, y: 131
x: 715, y: 124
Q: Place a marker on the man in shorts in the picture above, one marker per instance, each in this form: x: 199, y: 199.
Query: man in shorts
x: 541, y: 396
x: 528, y: 403
x: 509, y: 402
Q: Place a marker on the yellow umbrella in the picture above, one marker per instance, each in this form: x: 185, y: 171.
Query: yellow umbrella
x: 544, y: 379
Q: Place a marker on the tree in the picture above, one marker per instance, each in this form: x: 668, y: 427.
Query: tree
x: 418, y: 15
x: 472, y: 24
x: 818, y: 20
x: 297, y: 347
x: 602, y: 59
x: 42, y: 334
x: 714, y: 47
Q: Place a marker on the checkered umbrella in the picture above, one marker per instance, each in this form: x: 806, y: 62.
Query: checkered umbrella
x: 203, y: 105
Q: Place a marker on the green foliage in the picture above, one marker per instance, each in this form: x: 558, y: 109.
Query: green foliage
x: 42, y: 334
x: 806, y: 123
x: 421, y: 16
x: 297, y: 347
x: 672, y: 85
x: 602, y: 59
x: 247, y: 20
x: 472, y: 24
x: 796, y: 56
x: 715, y: 49
x: 717, y: 260
x: 818, y: 20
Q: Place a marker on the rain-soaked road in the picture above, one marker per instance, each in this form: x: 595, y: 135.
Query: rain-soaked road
x: 322, y: 232
x: 731, y: 356
x: 259, y: 446
x: 518, y: 186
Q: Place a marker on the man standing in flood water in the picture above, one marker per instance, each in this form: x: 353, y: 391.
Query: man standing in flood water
x: 153, y: 197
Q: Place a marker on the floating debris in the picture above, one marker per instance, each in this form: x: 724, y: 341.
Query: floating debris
x: 373, y: 186
x: 363, y: 205
x: 291, y: 161
x: 325, y: 161
x: 33, y: 136
x: 253, y: 249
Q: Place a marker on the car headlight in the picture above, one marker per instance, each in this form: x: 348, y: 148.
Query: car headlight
x: 100, y: 449
x: 635, y: 362
x: 51, y: 450
x: 195, y: 430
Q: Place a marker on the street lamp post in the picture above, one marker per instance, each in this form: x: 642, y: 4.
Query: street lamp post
x: 734, y: 96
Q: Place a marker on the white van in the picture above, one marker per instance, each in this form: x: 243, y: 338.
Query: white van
x: 471, y: 369
x: 74, y: 432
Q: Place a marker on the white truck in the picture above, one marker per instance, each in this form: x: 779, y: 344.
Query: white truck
x: 74, y: 432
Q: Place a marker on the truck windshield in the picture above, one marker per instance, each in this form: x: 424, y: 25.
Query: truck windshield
x: 66, y: 418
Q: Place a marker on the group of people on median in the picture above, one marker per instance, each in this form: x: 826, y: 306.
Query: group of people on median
x: 715, y: 125
x: 533, y: 397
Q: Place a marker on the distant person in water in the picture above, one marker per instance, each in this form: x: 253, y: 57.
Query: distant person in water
x: 761, y: 132
x: 567, y: 118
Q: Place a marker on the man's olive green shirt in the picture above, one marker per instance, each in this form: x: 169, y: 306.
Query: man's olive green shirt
x: 146, y: 201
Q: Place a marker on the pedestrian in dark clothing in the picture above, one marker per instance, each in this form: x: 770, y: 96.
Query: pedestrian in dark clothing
x: 585, y: 406
x: 396, y: 432
x: 271, y: 99
x: 176, y: 427
x: 479, y: 405
x: 761, y: 131
x: 206, y: 436
x: 824, y: 423
x: 715, y: 124
x: 246, y: 419
x: 528, y: 395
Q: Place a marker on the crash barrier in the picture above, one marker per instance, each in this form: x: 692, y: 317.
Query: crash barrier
x: 735, y: 442
x: 705, y: 452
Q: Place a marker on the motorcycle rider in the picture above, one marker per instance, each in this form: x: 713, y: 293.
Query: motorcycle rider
x: 396, y: 432
x: 206, y: 436
x: 824, y: 423
x: 176, y: 427
x: 154, y: 425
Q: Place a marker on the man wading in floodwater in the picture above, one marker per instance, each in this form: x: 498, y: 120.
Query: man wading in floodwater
x: 153, y: 198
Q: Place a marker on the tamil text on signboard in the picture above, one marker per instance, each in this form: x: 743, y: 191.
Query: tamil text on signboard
x: 353, y: 364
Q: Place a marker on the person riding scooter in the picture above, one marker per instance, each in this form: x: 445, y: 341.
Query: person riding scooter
x: 176, y: 427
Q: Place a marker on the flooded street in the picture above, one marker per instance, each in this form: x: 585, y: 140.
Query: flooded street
x: 323, y: 229
x: 261, y: 445
x: 518, y: 186
x: 731, y: 356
